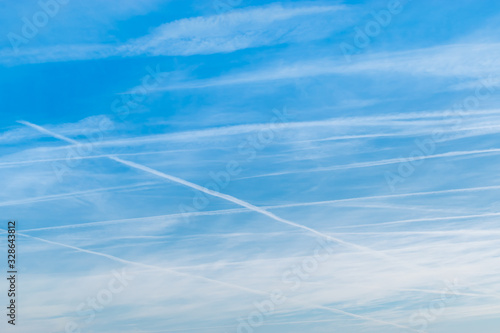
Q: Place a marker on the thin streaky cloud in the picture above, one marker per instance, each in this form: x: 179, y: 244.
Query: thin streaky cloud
x: 47, y: 160
x: 440, y: 292
x: 400, y: 195
x: 191, y: 96
x: 291, y: 205
x: 147, y: 218
x: 427, y: 219
x: 492, y: 151
x: 235, y: 30
x: 138, y: 186
x: 389, y: 121
x: 213, y: 281
x: 226, y: 32
x: 237, y: 201
x: 433, y: 61
x: 260, y: 210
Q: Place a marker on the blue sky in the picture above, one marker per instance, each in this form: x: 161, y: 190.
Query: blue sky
x: 215, y: 153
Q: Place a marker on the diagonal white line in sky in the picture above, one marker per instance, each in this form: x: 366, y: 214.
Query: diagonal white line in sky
x: 221, y: 283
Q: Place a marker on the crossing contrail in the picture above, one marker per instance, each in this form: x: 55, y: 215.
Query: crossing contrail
x: 209, y: 280
x: 232, y: 199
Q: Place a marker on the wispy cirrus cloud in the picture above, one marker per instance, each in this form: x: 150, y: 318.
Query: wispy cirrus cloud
x: 120, y: 205
x: 463, y: 60
x: 228, y: 32
x: 239, y: 29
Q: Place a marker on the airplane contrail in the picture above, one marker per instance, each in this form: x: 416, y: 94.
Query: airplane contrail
x: 61, y: 159
x: 221, y: 283
x: 350, y: 121
x: 291, y: 205
x: 378, y: 163
x: 72, y: 194
x: 443, y: 218
x: 232, y: 199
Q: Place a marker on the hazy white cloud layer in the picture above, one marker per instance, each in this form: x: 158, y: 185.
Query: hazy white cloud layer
x: 224, y: 167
